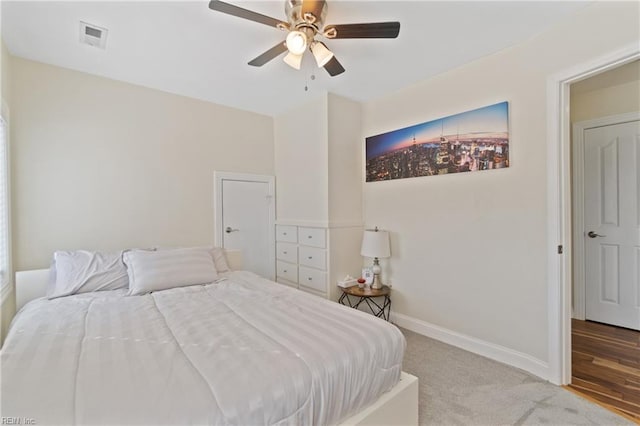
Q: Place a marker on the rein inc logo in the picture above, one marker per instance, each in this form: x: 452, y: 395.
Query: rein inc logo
x: 17, y: 421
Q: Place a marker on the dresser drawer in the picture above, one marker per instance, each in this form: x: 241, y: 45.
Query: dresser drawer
x: 312, y: 278
x: 287, y: 252
x: 287, y: 271
x: 287, y: 233
x: 314, y: 257
x: 313, y: 292
x: 281, y: 280
x: 314, y: 237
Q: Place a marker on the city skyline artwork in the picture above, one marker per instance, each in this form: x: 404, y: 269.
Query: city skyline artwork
x: 470, y: 141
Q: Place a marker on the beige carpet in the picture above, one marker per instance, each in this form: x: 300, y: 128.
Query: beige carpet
x: 461, y: 388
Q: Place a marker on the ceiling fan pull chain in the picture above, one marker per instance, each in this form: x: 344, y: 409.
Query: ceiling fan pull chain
x: 311, y: 77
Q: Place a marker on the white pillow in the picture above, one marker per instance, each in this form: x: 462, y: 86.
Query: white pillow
x: 218, y: 254
x: 163, y: 269
x: 220, y: 260
x: 83, y: 271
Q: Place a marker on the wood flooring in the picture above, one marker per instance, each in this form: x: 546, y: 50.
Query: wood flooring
x: 606, y: 366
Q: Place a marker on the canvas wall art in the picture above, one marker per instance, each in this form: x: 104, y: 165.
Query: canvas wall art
x: 466, y: 142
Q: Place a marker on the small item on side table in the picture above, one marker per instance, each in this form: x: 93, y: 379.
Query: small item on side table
x: 361, y: 282
x: 347, y: 282
x: 367, y: 275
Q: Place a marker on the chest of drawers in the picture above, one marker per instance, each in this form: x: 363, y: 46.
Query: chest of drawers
x: 301, y: 258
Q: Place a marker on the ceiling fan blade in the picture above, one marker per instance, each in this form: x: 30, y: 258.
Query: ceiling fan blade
x: 314, y: 7
x: 230, y: 9
x: 370, y: 30
x: 270, y: 54
x: 334, y: 67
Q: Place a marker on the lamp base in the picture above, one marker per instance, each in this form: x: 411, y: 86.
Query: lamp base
x: 376, y: 284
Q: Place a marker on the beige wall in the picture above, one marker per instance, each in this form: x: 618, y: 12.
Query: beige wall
x: 100, y: 164
x: 611, y: 93
x: 344, y: 160
x: 301, y: 163
x: 318, y: 157
x: 8, y: 305
x: 5, y: 73
x: 469, y: 251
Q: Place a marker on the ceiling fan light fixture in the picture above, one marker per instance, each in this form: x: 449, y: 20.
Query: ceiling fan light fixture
x: 305, y: 20
x: 296, y: 42
x: 293, y: 60
x: 321, y: 53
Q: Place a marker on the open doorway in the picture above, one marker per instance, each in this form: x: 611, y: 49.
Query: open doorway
x: 605, y: 186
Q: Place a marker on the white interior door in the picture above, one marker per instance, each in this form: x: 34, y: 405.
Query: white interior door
x: 246, y: 220
x: 612, y: 224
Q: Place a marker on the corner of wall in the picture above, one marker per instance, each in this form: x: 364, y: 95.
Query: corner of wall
x: 5, y: 73
x: 300, y: 160
x: 7, y: 301
x: 345, y: 159
x: 7, y: 312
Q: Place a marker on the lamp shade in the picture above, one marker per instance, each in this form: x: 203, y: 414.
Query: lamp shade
x: 321, y: 53
x: 294, y: 61
x: 296, y: 42
x: 375, y: 244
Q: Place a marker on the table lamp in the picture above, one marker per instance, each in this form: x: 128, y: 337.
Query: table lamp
x: 375, y: 243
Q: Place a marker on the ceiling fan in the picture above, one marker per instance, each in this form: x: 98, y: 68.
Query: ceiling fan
x: 305, y: 21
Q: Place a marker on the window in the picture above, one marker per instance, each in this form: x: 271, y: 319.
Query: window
x: 5, y: 269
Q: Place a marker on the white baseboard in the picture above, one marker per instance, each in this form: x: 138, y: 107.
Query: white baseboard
x: 490, y: 350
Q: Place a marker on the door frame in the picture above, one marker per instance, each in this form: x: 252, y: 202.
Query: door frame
x: 559, y: 214
x: 579, y: 275
x: 218, y: 178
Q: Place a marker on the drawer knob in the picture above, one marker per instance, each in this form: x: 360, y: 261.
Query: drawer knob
x: 285, y: 270
x: 310, y: 279
x: 310, y: 257
x: 284, y: 252
x: 309, y: 237
x: 284, y: 233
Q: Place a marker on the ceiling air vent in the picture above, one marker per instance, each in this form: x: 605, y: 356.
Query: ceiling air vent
x: 93, y: 35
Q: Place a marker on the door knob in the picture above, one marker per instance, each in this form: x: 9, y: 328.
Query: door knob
x: 592, y: 234
x: 230, y: 230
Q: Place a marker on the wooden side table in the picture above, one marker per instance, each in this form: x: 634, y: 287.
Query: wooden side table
x: 368, y: 296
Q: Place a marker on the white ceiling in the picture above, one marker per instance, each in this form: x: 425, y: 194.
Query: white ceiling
x: 185, y: 48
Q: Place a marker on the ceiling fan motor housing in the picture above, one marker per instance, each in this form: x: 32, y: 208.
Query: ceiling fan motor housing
x: 304, y: 20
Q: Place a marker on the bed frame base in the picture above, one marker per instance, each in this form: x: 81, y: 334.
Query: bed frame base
x: 397, y: 407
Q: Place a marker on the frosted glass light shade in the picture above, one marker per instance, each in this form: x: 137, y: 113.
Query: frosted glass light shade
x: 296, y: 42
x: 321, y: 53
x: 294, y: 61
x: 375, y: 244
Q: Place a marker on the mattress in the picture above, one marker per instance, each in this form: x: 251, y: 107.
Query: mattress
x: 241, y: 351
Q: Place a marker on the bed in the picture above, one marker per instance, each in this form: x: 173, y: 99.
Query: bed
x: 242, y: 350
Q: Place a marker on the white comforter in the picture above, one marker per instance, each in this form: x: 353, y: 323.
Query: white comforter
x: 242, y: 351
